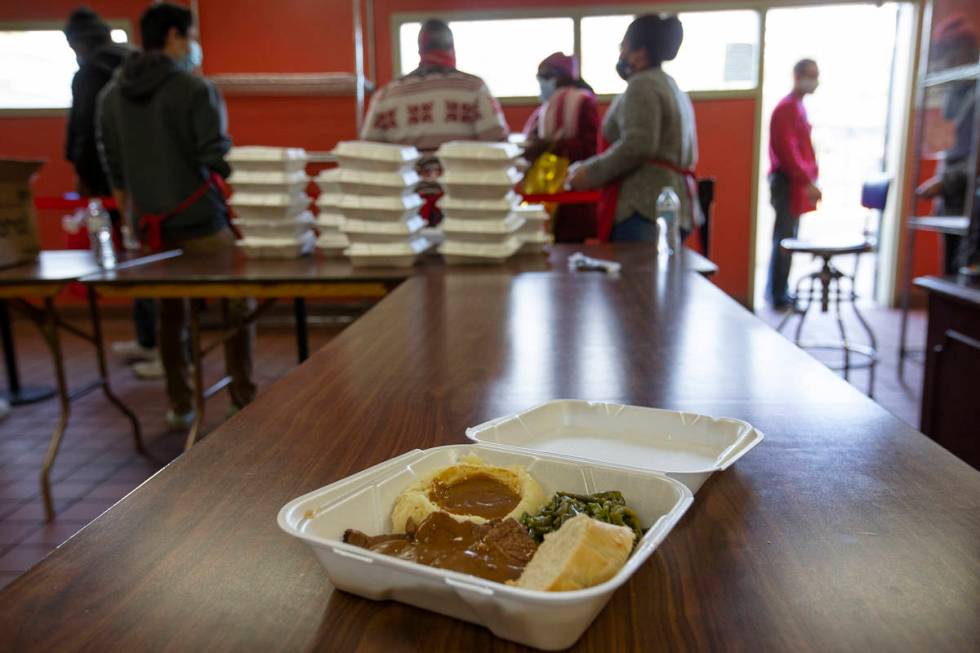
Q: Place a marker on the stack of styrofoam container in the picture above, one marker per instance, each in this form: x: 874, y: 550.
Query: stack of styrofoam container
x: 534, y: 234
x: 270, y: 201
x: 479, y: 222
x: 373, y: 189
x: 329, y: 222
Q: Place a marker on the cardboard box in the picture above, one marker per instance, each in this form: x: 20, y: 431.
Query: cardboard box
x: 18, y: 222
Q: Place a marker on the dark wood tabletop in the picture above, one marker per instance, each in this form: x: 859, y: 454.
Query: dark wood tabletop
x: 233, y: 266
x: 845, y: 529
x: 51, y: 267
x: 955, y: 286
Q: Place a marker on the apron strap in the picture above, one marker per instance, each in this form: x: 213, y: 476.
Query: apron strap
x: 151, y: 224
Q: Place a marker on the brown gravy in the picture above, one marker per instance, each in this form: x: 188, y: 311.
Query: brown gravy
x: 497, y: 550
x: 480, y: 494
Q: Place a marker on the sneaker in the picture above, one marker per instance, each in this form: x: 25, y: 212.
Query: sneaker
x: 148, y: 370
x: 179, y: 422
x: 131, y: 350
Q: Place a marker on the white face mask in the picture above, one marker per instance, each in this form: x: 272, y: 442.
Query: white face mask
x: 194, y: 57
x: 548, y: 87
x: 808, y: 84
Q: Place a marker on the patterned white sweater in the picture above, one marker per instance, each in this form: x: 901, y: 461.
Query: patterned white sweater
x: 430, y: 107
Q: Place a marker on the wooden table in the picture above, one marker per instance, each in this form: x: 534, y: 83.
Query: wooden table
x: 950, y: 410
x: 43, y: 279
x: 844, y: 530
x: 233, y: 275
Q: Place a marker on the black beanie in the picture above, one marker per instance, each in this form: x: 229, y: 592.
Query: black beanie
x: 85, y: 26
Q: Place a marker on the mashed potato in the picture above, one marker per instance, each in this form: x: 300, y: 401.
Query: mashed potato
x: 470, y: 490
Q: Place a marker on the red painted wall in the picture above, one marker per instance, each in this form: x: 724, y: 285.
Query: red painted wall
x: 302, y: 36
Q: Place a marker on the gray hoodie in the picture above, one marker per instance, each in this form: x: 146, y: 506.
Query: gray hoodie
x: 161, y: 132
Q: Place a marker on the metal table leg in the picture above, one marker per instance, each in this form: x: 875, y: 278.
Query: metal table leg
x: 49, y: 330
x: 16, y: 394
x: 97, y: 341
x: 197, y: 359
x: 302, y: 337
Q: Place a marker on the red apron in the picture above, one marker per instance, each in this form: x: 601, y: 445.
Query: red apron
x: 610, y: 196
x: 151, y: 224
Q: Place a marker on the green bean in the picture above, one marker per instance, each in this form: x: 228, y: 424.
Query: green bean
x: 609, y: 507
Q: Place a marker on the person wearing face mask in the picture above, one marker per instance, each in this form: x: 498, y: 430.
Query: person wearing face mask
x: 651, y: 134
x: 566, y: 124
x: 98, y: 58
x: 163, y: 141
x: 956, y: 44
x: 793, y: 175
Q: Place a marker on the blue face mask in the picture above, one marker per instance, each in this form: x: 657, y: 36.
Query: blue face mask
x: 548, y: 87
x: 193, y: 59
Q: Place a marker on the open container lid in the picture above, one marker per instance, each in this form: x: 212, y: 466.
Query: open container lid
x: 686, y: 446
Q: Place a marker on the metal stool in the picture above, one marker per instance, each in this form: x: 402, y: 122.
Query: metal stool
x: 826, y: 286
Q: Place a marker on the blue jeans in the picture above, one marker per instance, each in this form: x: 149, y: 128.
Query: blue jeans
x: 636, y: 228
x: 787, y: 226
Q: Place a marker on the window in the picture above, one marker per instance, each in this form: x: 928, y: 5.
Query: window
x: 720, y: 51
x: 505, y: 52
x: 37, y: 68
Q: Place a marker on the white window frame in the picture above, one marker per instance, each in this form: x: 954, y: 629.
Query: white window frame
x: 56, y: 26
x: 577, y: 14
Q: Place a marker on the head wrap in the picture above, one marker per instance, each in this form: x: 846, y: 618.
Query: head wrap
x: 564, y: 65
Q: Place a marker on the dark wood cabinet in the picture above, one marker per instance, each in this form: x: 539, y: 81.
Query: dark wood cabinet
x: 951, y: 387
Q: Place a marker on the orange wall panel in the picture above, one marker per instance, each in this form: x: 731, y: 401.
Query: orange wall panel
x: 286, y: 36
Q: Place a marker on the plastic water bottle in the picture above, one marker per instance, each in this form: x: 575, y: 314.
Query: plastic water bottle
x: 100, y: 234
x: 668, y: 221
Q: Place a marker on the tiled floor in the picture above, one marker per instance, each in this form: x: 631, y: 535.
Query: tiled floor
x: 97, y: 465
x: 899, y: 396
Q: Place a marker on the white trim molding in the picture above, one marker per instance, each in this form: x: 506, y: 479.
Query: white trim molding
x: 322, y: 84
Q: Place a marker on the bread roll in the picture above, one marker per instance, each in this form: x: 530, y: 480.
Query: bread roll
x: 582, y: 553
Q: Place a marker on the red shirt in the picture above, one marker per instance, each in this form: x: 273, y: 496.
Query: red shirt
x: 791, y: 151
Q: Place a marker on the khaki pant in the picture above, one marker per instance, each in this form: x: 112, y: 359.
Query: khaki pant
x: 173, y: 325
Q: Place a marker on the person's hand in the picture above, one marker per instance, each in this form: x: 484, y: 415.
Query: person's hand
x: 813, y: 193
x: 576, y: 178
x: 930, y: 187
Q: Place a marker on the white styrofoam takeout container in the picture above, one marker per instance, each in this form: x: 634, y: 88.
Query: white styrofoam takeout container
x: 268, y: 181
x: 482, y: 231
x: 377, y: 231
x: 279, y: 248
x: 269, y: 206
x: 477, y: 156
x: 546, y: 620
x: 685, y: 446
x: 378, y: 157
x: 478, y: 209
x: 329, y: 219
x: 362, y: 182
x: 535, y: 243
x: 361, y: 207
x: 260, y: 157
x: 491, y: 184
x: 401, y: 254
x: 332, y: 244
x: 457, y: 252
x: 277, y: 228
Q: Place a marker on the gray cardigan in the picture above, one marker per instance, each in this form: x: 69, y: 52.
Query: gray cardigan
x: 653, y: 119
